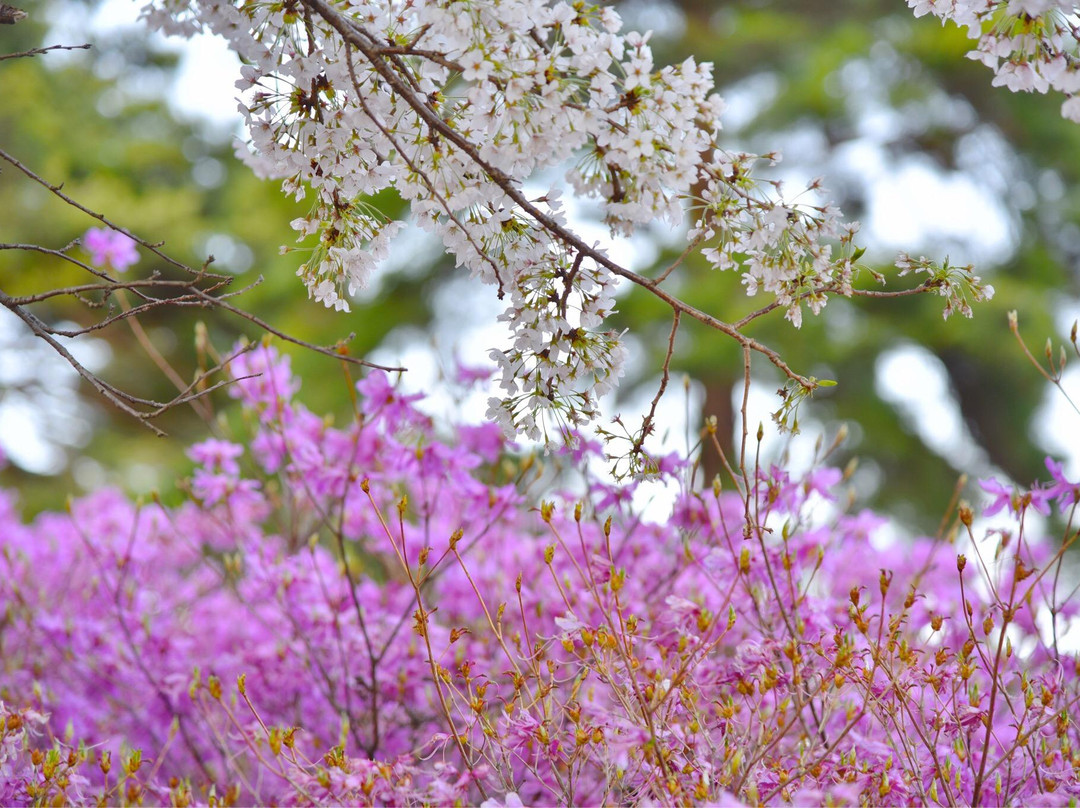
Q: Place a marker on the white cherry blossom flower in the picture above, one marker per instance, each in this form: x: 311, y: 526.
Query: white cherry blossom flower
x: 455, y: 106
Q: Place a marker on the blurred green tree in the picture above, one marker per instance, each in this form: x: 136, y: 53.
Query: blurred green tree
x: 855, y: 90
x: 120, y: 151
x: 860, y: 92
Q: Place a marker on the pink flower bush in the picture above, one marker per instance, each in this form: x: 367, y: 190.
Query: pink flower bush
x: 385, y: 612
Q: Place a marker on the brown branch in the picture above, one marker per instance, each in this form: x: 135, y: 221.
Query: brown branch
x: 202, y: 289
x: 38, y: 51
x: 107, y: 290
x: 117, y: 397
x: 647, y: 420
x: 57, y: 190
x: 833, y: 289
x: 336, y: 352
x: 203, y: 408
x: 443, y: 203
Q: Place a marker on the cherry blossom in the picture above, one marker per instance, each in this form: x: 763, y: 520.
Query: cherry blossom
x: 457, y: 107
x: 1031, y: 45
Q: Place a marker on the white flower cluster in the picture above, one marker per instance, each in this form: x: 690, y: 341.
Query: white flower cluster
x: 782, y: 248
x: 1031, y: 45
x: 454, y: 104
x: 958, y: 285
x: 559, y: 364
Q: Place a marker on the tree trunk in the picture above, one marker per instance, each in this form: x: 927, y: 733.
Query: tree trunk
x: 718, y: 392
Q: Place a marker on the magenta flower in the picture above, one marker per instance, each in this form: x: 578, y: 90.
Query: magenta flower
x: 1040, y: 497
x: 1037, y: 497
x: 1066, y: 493
x: 823, y: 480
x: 383, y: 400
x: 472, y: 374
x: 263, y: 380
x: 1002, y: 496
x: 217, y: 454
x: 111, y: 248
x: 123, y: 619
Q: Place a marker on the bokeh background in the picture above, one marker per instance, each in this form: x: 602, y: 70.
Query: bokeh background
x: 909, y: 135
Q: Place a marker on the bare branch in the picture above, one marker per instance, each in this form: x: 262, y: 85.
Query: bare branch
x: 38, y: 51
x: 57, y: 190
x: 200, y: 288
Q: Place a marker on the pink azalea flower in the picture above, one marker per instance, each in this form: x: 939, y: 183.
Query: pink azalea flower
x: 473, y: 374
x: 217, y: 454
x: 1038, y: 497
x: 108, y: 247
x: 1002, y: 496
x: 1065, y: 492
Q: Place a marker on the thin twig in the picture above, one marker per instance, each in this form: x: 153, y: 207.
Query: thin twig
x: 38, y: 51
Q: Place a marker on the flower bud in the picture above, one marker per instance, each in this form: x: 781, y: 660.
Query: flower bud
x: 884, y: 581
x: 546, y: 511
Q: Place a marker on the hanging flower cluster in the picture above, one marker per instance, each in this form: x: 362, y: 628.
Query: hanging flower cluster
x: 456, y: 105
x: 1031, y: 45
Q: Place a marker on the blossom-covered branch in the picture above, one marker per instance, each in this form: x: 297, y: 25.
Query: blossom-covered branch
x: 460, y: 107
x: 1031, y: 45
